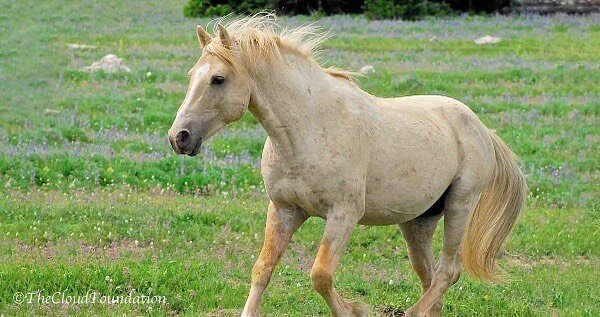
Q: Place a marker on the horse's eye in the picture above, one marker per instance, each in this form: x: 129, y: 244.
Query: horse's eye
x: 218, y: 80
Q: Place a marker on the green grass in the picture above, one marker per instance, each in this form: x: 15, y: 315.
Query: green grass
x: 198, y: 253
x: 90, y: 188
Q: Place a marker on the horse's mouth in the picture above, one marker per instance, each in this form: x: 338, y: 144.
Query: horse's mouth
x: 196, y: 149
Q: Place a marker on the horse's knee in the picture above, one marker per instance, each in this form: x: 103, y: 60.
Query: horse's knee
x: 455, y: 270
x: 322, y: 279
x: 450, y: 271
x: 444, y: 277
x: 438, y: 305
x: 456, y: 276
x: 261, y: 273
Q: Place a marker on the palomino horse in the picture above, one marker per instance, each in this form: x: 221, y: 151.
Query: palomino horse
x: 336, y: 152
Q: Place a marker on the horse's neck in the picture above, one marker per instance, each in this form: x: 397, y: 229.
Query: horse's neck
x: 286, y: 102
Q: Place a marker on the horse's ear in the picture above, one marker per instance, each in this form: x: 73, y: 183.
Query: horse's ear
x: 203, y: 36
x: 223, y: 35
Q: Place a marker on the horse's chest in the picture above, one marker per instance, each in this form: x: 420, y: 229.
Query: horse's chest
x: 314, y: 184
x: 301, y: 192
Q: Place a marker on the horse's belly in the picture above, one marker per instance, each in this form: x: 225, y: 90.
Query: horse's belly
x: 382, y: 217
x: 398, y: 204
x: 401, y: 189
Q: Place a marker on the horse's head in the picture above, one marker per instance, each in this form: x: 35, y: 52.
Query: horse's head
x: 218, y: 94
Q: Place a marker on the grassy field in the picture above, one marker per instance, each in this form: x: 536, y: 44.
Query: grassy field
x: 92, y: 197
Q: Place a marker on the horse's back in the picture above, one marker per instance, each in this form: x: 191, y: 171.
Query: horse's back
x: 428, y: 104
x: 472, y: 137
x: 445, y: 112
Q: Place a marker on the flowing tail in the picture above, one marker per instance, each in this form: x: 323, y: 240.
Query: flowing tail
x: 497, y: 211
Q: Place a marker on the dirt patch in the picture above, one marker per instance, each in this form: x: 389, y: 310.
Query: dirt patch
x: 230, y: 243
x: 390, y: 312
x: 221, y: 312
x: 83, y: 250
x: 299, y: 257
x: 374, y: 273
x: 528, y: 263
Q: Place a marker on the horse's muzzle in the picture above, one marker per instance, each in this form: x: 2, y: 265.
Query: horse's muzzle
x: 182, y: 142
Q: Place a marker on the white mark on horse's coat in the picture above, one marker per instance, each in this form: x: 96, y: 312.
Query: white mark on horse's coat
x: 199, y: 73
x: 194, y: 85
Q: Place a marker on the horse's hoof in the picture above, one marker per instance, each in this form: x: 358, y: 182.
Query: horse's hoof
x: 245, y: 314
x: 411, y: 313
x: 360, y: 309
x: 433, y: 313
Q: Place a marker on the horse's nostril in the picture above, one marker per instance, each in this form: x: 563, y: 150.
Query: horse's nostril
x: 183, y: 137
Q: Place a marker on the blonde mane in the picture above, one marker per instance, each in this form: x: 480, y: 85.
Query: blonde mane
x: 259, y: 37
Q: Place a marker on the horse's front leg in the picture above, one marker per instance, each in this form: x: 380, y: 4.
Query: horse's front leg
x: 282, y: 222
x: 339, y: 226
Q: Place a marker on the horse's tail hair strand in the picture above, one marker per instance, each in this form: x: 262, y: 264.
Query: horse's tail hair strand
x: 497, y: 211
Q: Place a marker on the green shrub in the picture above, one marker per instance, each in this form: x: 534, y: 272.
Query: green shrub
x: 374, y: 9
x: 487, y: 6
x: 327, y: 7
x: 198, y: 8
x: 404, y: 9
x: 218, y: 10
x: 194, y: 8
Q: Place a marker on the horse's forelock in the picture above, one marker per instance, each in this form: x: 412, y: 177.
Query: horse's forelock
x: 259, y: 37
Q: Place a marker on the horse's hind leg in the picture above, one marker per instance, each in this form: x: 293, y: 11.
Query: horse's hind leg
x: 458, y: 207
x: 418, y: 234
